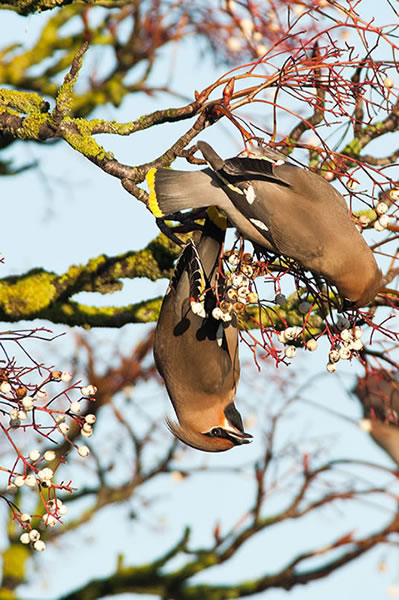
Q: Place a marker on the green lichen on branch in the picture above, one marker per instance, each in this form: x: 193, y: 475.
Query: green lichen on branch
x: 64, y: 100
x: 154, y: 579
x: 14, y: 568
x: 78, y: 135
x: 44, y: 295
x: 22, y: 103
x: 77, y: 314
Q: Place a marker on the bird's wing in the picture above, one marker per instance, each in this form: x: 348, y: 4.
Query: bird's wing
x: 293, y: 212
x: 387, y: 437
x: 243, y: 168
x: 251, y: 168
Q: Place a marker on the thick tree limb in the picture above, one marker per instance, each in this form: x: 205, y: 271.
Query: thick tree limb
x: 43, y: 295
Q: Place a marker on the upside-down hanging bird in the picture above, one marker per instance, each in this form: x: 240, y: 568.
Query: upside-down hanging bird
x: 278, y: 206
x: 196, y: 354
x: 379, y: 394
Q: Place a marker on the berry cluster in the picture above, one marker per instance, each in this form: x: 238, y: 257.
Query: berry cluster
x: 238, y: 287
x: 31, y: 402
x: 346, y: 345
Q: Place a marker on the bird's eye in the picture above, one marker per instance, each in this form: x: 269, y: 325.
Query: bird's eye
x: 216, y: 431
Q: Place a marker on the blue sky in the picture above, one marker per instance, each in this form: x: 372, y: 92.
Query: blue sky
x: 69, y: 211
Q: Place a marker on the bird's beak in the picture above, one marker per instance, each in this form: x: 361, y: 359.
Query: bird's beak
x: 239, y: 437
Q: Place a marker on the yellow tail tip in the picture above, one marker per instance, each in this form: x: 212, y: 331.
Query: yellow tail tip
x: 152, y: 201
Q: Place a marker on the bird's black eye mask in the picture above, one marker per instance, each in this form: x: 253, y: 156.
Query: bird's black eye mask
x: 219, y: 432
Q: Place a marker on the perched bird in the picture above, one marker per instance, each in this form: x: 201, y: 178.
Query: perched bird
x: 278, y: 206
x: 379, y: 394
x: 196, y: 354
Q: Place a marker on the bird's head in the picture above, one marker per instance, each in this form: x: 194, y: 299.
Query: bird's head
x: 218, y: 435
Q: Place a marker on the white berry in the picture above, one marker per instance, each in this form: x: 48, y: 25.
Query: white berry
x: 233, y: 260
x: 394, y: 194
x: 86, y: 434
x: 334, y: 356
x: 45, y: 474
x: 260, y: 50
x: 49, y: 520
x: 331, y: 367
x: 352, y: 184
x: 39, y: 546
x: 66, y: 376
x: 381, y: 208
x: 49, y: 455
x: 26, y: 518
x: 34, y: 454
x: 290, y: 351
x: 217, y: 313
x: 83, y: 451
x: 233, y: 44
x: 27, y: 403
x: 252, y: 298
x: 5, y: 387
x: 64, y: 428
x: 243, y: 291
x: 247, y: 270
x: 344, y: 353
x: 364, y: 220
x: 311, y: 345
x: 357, y: 345
x: 24, y: 538
x: 237, y: 280
x: 75, y: 407
x: 19, y: 481
x: 34, y: 535
x: 198, y: 308
x: 289, y: 334
x: 384, y: 220
x: 90, y: 418
x: 247, y: 26
x: 30, y: 480
x: 346, y: 335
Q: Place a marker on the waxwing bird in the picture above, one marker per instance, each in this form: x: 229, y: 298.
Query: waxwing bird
x: 379, y: 394
x: 278, y: 206
x: 196, y: 354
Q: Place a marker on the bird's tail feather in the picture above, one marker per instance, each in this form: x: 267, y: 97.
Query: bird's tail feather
x: 172, y: 191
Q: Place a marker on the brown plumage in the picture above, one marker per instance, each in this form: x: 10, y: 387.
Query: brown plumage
x: 281, y: 207
x: 379, y: 394
x: 197, y: 355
